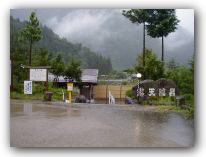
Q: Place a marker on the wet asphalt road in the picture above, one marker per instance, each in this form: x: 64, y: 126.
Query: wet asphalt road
x: 40, y: 124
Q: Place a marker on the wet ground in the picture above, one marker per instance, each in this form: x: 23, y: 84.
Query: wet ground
x: 41, y: 124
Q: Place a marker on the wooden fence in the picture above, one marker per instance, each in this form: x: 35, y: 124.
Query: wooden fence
x: 118, y: 91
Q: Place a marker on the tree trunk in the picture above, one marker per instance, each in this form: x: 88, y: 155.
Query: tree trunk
x: 30, y: 51
x: 144, y: 45
x: 143, y: 50
x: 162, y: 48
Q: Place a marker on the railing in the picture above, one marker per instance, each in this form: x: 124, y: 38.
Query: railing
x: 111, y: 98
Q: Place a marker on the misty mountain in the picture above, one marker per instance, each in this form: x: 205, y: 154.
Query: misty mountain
x: 57, y: 45
x: 108, y: 32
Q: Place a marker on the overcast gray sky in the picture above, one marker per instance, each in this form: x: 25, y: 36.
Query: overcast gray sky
x: 186, y: 17
x: 108, y: 32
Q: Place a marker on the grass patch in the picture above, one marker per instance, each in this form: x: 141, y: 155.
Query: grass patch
x: 168, y: 104
x: 38, y: 92
x: 185, y: 112
x: 17, y: 95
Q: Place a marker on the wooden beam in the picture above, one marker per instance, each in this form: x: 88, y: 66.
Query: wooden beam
x: 38, y: 67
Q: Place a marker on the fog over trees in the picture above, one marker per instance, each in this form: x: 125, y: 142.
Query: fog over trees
x: 108, y: 32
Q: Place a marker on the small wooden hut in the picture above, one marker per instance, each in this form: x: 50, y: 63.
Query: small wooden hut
x: 89, y: 79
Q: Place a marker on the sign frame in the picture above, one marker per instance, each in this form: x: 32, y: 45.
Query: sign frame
x: 38, y: 74
x: 28, y: 87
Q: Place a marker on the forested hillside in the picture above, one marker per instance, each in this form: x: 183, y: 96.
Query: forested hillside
x: 54, y: 45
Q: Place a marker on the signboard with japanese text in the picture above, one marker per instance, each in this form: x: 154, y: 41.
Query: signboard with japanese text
x: 69, y: 86
x: 155, y: 92
x: 27, y: 87
x: 38, y: 74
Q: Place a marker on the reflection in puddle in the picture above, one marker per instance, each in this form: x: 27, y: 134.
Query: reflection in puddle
x: 51, y: 110
x: 94, y: 125
x: 73, y: 111
x: 27, y: 108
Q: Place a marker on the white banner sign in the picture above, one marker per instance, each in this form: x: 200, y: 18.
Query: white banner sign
x: 38, y: 74
x: 27, y: 87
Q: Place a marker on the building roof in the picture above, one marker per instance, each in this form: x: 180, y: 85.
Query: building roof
x: 89, y: 75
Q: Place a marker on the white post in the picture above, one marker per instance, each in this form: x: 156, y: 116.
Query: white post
x: 111, y: 98
x: 138, y: 77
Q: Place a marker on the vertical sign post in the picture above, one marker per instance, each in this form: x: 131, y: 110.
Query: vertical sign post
x: 46, y: 83
x: 27, y: 87
x: 69, y: 92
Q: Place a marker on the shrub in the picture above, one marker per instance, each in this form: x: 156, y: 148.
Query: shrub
x: 19, y: 87
x: 38, y: 88
x: 131, y: 94
x: 189, y: 97
x: 124, y: 83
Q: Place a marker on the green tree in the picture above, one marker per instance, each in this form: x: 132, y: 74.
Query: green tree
x: 42, y: 57
x: 32, y: 33
x: 57, y: 66
x: 54, y: 44
x: 154, y: 69
x: 183, y: 78
x: 73, y: 70
x: 17, y: 57
x: 161, y: 23
x: 192, y: 64
x: 139, y: 16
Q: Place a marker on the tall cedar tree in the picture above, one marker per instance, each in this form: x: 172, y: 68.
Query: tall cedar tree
x: 139, y: 16
x: 32, y: 33
x: 161, y: 23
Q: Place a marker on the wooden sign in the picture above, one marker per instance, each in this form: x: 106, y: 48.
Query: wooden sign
x: 38, y: 74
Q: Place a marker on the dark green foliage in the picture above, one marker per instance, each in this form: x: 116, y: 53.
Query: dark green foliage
x: 57, y: 66
x: 183, y: 77
x: 31, y: 33
x: 18, y: 56
x: 158, y: 22
x: 131, y: 94
x: 42, y: 57
x: 38, y: 88
x: 56, y: 45
x: 153, y: 69
x: 161, y: 23
x: 137, y: 15
x: 73, y: 70
x: 49, y: 51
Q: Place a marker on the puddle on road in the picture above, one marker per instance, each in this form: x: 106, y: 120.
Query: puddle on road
x: 96, y: 125
x: 49, y: 110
